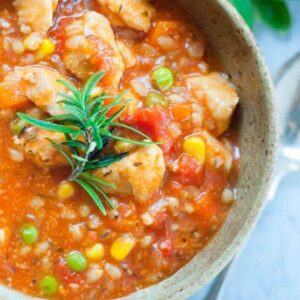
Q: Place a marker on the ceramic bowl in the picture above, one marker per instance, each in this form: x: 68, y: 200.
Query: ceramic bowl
x: 233, y: 45
x: 231, y: 42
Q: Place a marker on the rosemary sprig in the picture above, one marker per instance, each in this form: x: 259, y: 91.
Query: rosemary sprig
x: 88, y: 129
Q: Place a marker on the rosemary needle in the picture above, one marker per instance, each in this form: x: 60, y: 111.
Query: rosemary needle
x: 87, y: 129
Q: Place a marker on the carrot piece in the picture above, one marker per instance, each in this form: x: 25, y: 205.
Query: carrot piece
x: 162, y: 28
x: 182, y: 114
x: 10, y: 98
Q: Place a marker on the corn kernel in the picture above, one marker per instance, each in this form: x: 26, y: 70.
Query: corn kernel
x: 196, y: 147
x: 121, y: 247
x: 47, y: 47
x: 66, y: 190
x: 96, y: 252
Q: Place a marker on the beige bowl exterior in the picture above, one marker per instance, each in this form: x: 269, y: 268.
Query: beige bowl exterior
x: 232, y: 43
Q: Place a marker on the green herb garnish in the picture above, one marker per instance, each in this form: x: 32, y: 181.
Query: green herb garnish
x: 245, y: 8
x: 275, y: 13
x: 88, y: 129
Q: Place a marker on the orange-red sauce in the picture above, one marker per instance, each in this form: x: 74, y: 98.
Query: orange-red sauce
x: 29, y: 194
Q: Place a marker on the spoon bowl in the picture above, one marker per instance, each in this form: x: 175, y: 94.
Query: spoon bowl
x: 288, y: 107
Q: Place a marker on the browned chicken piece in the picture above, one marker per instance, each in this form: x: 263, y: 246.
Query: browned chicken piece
x: 91, y: 46
x: 37, y: 84
x: 219, y: 96
x: 37, y: 14
x: 136, y: 14
x: 139, y: 174
x: 39, y: 150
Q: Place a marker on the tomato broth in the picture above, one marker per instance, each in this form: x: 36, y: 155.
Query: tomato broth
x: 159, y: 223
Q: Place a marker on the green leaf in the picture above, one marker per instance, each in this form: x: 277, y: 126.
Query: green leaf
x: 62, y: 152
x: 79, y: 158
x: 275, y: 13
x: 91, y: 84
x: 131, y: 141
x: 96, y: 179
x: 121, y: 125
x: 245, y: 8
x: 89, y: 189
x: 104, y: 162
x: 97, y: 137
x: 72, y: 88
x: 71, y: 99
x: 75, y: 144
x: 61, y: 118
x: 46, y: 125
x: 87, y: 130
x: 115, y: 116
x: 100, y: 190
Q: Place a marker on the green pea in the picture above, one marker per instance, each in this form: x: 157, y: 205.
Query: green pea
x: 49, y: 285
x: 163, y: 78
x: 17, y: 125
x: 154, y: 98
x: 29, y: 234
x: 76, y: 261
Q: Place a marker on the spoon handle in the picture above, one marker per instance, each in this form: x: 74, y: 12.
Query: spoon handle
x: 283, y: 167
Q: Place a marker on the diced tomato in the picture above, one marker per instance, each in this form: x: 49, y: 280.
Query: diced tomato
x: 59, y: 34
x: 160, y: 220
x: 175, y: 187
x: 65, y: 275
x: 162, y: 229
x: 189, y: 171
x: 154, y: 122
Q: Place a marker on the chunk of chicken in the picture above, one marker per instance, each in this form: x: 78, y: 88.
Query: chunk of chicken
x: 128, y: 57
x: 136, y: 14
x: 35, y: 83
x: 218, y: 155
x: 219, y: 96
x: 37, y: 14
x: 91, y: 46
x: 39, y: 150
x: 139, y: 174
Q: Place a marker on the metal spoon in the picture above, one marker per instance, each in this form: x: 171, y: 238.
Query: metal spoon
x: 288, y: 106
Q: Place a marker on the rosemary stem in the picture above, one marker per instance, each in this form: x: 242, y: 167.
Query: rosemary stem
x: 88, y: 135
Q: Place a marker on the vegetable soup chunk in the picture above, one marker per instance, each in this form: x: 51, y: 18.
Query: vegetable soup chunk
x: 37, y: 84
x: 37, y: 148
x: 146, y: 163
x: 38, y: 14
x: 91, y: 46
x: 136, y: 14
x: 219, y: 96
x: 119, y: 155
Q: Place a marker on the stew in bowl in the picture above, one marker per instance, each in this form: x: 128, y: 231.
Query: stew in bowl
x: 119, y: 159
